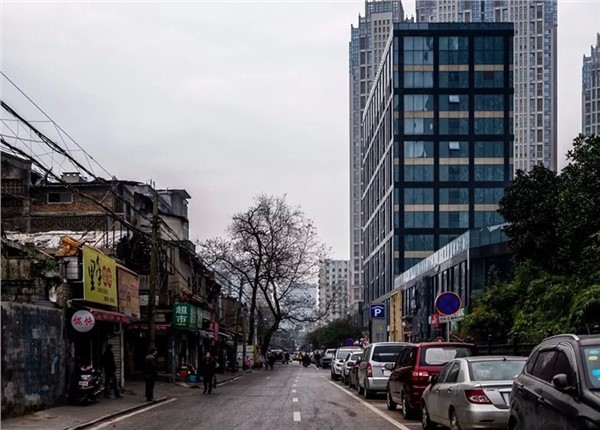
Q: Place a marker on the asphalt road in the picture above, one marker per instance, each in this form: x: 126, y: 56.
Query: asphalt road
x: 289, y: 397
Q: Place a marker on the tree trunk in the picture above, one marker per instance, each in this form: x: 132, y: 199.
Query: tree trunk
x: 266, y: 341
x: 251, y: 327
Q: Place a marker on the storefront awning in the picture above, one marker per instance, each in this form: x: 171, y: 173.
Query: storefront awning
x: 144, y: 327
x: 110, y: 316
x: 225, y: 335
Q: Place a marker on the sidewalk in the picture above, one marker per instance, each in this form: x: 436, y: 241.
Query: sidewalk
x: 74, y: 417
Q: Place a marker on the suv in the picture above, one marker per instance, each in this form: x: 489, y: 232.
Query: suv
x: 327, y: 357
x: 339, y: 358
x: 559, y: 387
x: 411, y: 372
x: 372, y: 375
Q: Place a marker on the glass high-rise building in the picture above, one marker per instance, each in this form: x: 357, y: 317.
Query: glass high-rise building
x: 590, y: 95
x: 437, y: 136
x: 535, y: 66
x: 367, y: 42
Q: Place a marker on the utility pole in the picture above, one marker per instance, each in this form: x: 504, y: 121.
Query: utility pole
x: 153, y: 274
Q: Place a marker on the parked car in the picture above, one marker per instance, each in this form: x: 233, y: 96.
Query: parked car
x: 411, y: 372
x: 351, y: 358
x: 327, y: 358
x: 372, y: 374
x: 353, y: 374
x: 338, y: 360
x: 471, y: 393
x: 559, y: 387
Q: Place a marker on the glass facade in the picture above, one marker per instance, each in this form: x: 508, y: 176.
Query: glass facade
x: 437, y: 143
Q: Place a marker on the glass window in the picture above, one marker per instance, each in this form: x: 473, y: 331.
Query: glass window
x: 489, y: 125
x: 491, y: 149
x: 454, y: 196
x: 454, y: 219
x: 495, y: 370
x: 445, y: 239
x: 418, y: 50
x: 444, y: 373
x: 418, y: 79
x: 418, y: 219
x: 592, y: 366
x: 453, y: 374
x: 454, y: 126
x: 454, y: 172
x: 418, y: 196
x: 489, y: 50
x: 454, y: 149
x: 454, y: 103
x: 488, y: 196
x: 489, y: 172
x: 410, y: 262
x: 454, y: 50
x: 489, y: 102
x: 489, y: 79
x: 487, y: 218
x: 544, y: 365
x: 418, y: 242
x: 436, y: 355
x: 418, y: 173
x: 454, y: 79
x: 418, y: 126
x: 418, y: 149
x: 418, y: 103
x: 562, y: 365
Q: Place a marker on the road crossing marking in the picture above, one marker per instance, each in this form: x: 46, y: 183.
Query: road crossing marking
x: 368, y: 405
x: 297, y: 416
x: 295, y: 400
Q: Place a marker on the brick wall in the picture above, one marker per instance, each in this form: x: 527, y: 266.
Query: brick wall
x: 81, y: 205
x: 33, y: 358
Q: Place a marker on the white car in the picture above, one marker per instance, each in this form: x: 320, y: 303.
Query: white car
x: 350, y: 361
x: 339, y: 358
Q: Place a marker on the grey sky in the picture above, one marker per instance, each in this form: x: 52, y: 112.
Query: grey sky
x: 226, y: 100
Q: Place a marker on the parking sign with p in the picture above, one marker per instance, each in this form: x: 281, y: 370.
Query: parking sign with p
x: 377, y: 311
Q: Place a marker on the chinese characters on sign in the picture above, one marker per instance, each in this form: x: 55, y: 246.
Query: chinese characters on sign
x: 129, y: 292
x: 99, y: 278
x: 83, y: 321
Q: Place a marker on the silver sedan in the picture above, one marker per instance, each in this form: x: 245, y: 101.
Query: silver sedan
x: 471, y: 393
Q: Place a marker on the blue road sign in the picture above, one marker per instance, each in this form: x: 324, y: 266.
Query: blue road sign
x: 377, y: 311
x: 448, y: 303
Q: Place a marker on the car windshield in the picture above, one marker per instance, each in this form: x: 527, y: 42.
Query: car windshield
x: 355, y: 357
x: 591, y: 362
x: 330, y: 352
x: 438, y: 355
x: 342, y: 353
x: 386, y: 354
x: 495, y: 370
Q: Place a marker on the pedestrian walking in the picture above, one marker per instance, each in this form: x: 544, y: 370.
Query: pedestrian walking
x: 150, y: 374
x: 110, y: 372
x: 318, y: 358
x: 247, y: 362
x: 262, y: 362
x: 271, y: 360
x: 208, y: 370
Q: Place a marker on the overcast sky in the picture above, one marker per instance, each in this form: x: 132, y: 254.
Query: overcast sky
x: 226, y: 100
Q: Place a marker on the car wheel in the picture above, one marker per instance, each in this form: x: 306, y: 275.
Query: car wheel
x: 407, y: 411
x: 391, y: 405
x: 425, y: 420
x: 367, y: 393
x: 454, y: 424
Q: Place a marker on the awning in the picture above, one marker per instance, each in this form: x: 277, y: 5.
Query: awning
x: 110, y: 316
x: 225, y: 335
x: 144, y: 327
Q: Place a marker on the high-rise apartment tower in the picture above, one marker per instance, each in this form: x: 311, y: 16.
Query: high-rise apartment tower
x: 535, y: 66
x: 590, y: 97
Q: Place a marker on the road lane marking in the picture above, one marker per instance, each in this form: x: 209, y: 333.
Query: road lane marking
x: 293, y: 391
x: 368, y: 405
x: 297, y: 416
x: 295, y: 400
x: 294, y: 385
x: 123, y: 417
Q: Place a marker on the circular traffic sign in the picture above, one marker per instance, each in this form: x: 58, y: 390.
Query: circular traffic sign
x: 448, y: 303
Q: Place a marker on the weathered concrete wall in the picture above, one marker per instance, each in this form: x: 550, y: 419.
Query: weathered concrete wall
x: 33, y: 358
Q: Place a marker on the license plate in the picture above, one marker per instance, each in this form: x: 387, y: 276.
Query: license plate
x: 386, y: 373
x: 83, y: 383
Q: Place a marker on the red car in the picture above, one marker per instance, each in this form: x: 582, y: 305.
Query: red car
x: 411, y: 372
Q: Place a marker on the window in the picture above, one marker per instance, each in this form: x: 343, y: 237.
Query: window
x: 418, y: 196
x: 418, y: 79
x: 454, y: 149
x: 494, y: 149
x: 454, y: 196
x: 454, y: 103
x: 454, y: 173
x: 414, y: 173
x: 487, y: 218
x: 418, y: 103
x: 489, y: 172
x: 454, y: 50
x: 488, y: 196
x: 418, y: 149
x: 544, y: 366
x: 453, y: 373
x: 409, y: 357
x: 562, y: 365
x: 418, y: 50
x: 489, y: 79
x: 444, y: 373
x: 418, y: 126
x: 454, y: 79
x: 418, y: 242
x: 454, y: 219
x: 60, y: 197
x: 489, y: 125
x: 418, y: 219
x: 445, y: 239
x: 454, y: 126
x: 489, y: 50
x: 489, y: 102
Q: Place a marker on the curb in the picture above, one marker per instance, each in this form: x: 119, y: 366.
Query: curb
x: 114, y: 415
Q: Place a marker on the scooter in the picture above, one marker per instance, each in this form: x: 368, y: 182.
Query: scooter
x: 306, y: 361
x: 88, y: 386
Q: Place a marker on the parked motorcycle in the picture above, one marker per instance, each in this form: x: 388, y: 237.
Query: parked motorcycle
x: 87, y: 387
x: 306, y: 360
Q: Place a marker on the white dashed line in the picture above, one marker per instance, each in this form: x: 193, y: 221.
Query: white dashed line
x: 368, y: 405
x: 295, y: 400
x: 297, y: 416
x: 294, y: 385
x: 293, y: 391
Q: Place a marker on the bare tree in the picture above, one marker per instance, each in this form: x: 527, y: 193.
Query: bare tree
x: 275, y: 251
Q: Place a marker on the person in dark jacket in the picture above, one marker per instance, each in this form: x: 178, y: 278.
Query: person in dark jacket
x: 110, y: 372
x: 208, y: 369
x: 150, y: 374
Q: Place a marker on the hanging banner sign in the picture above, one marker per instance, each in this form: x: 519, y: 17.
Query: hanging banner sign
x: 83, y: 321
x: 99, y: 278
